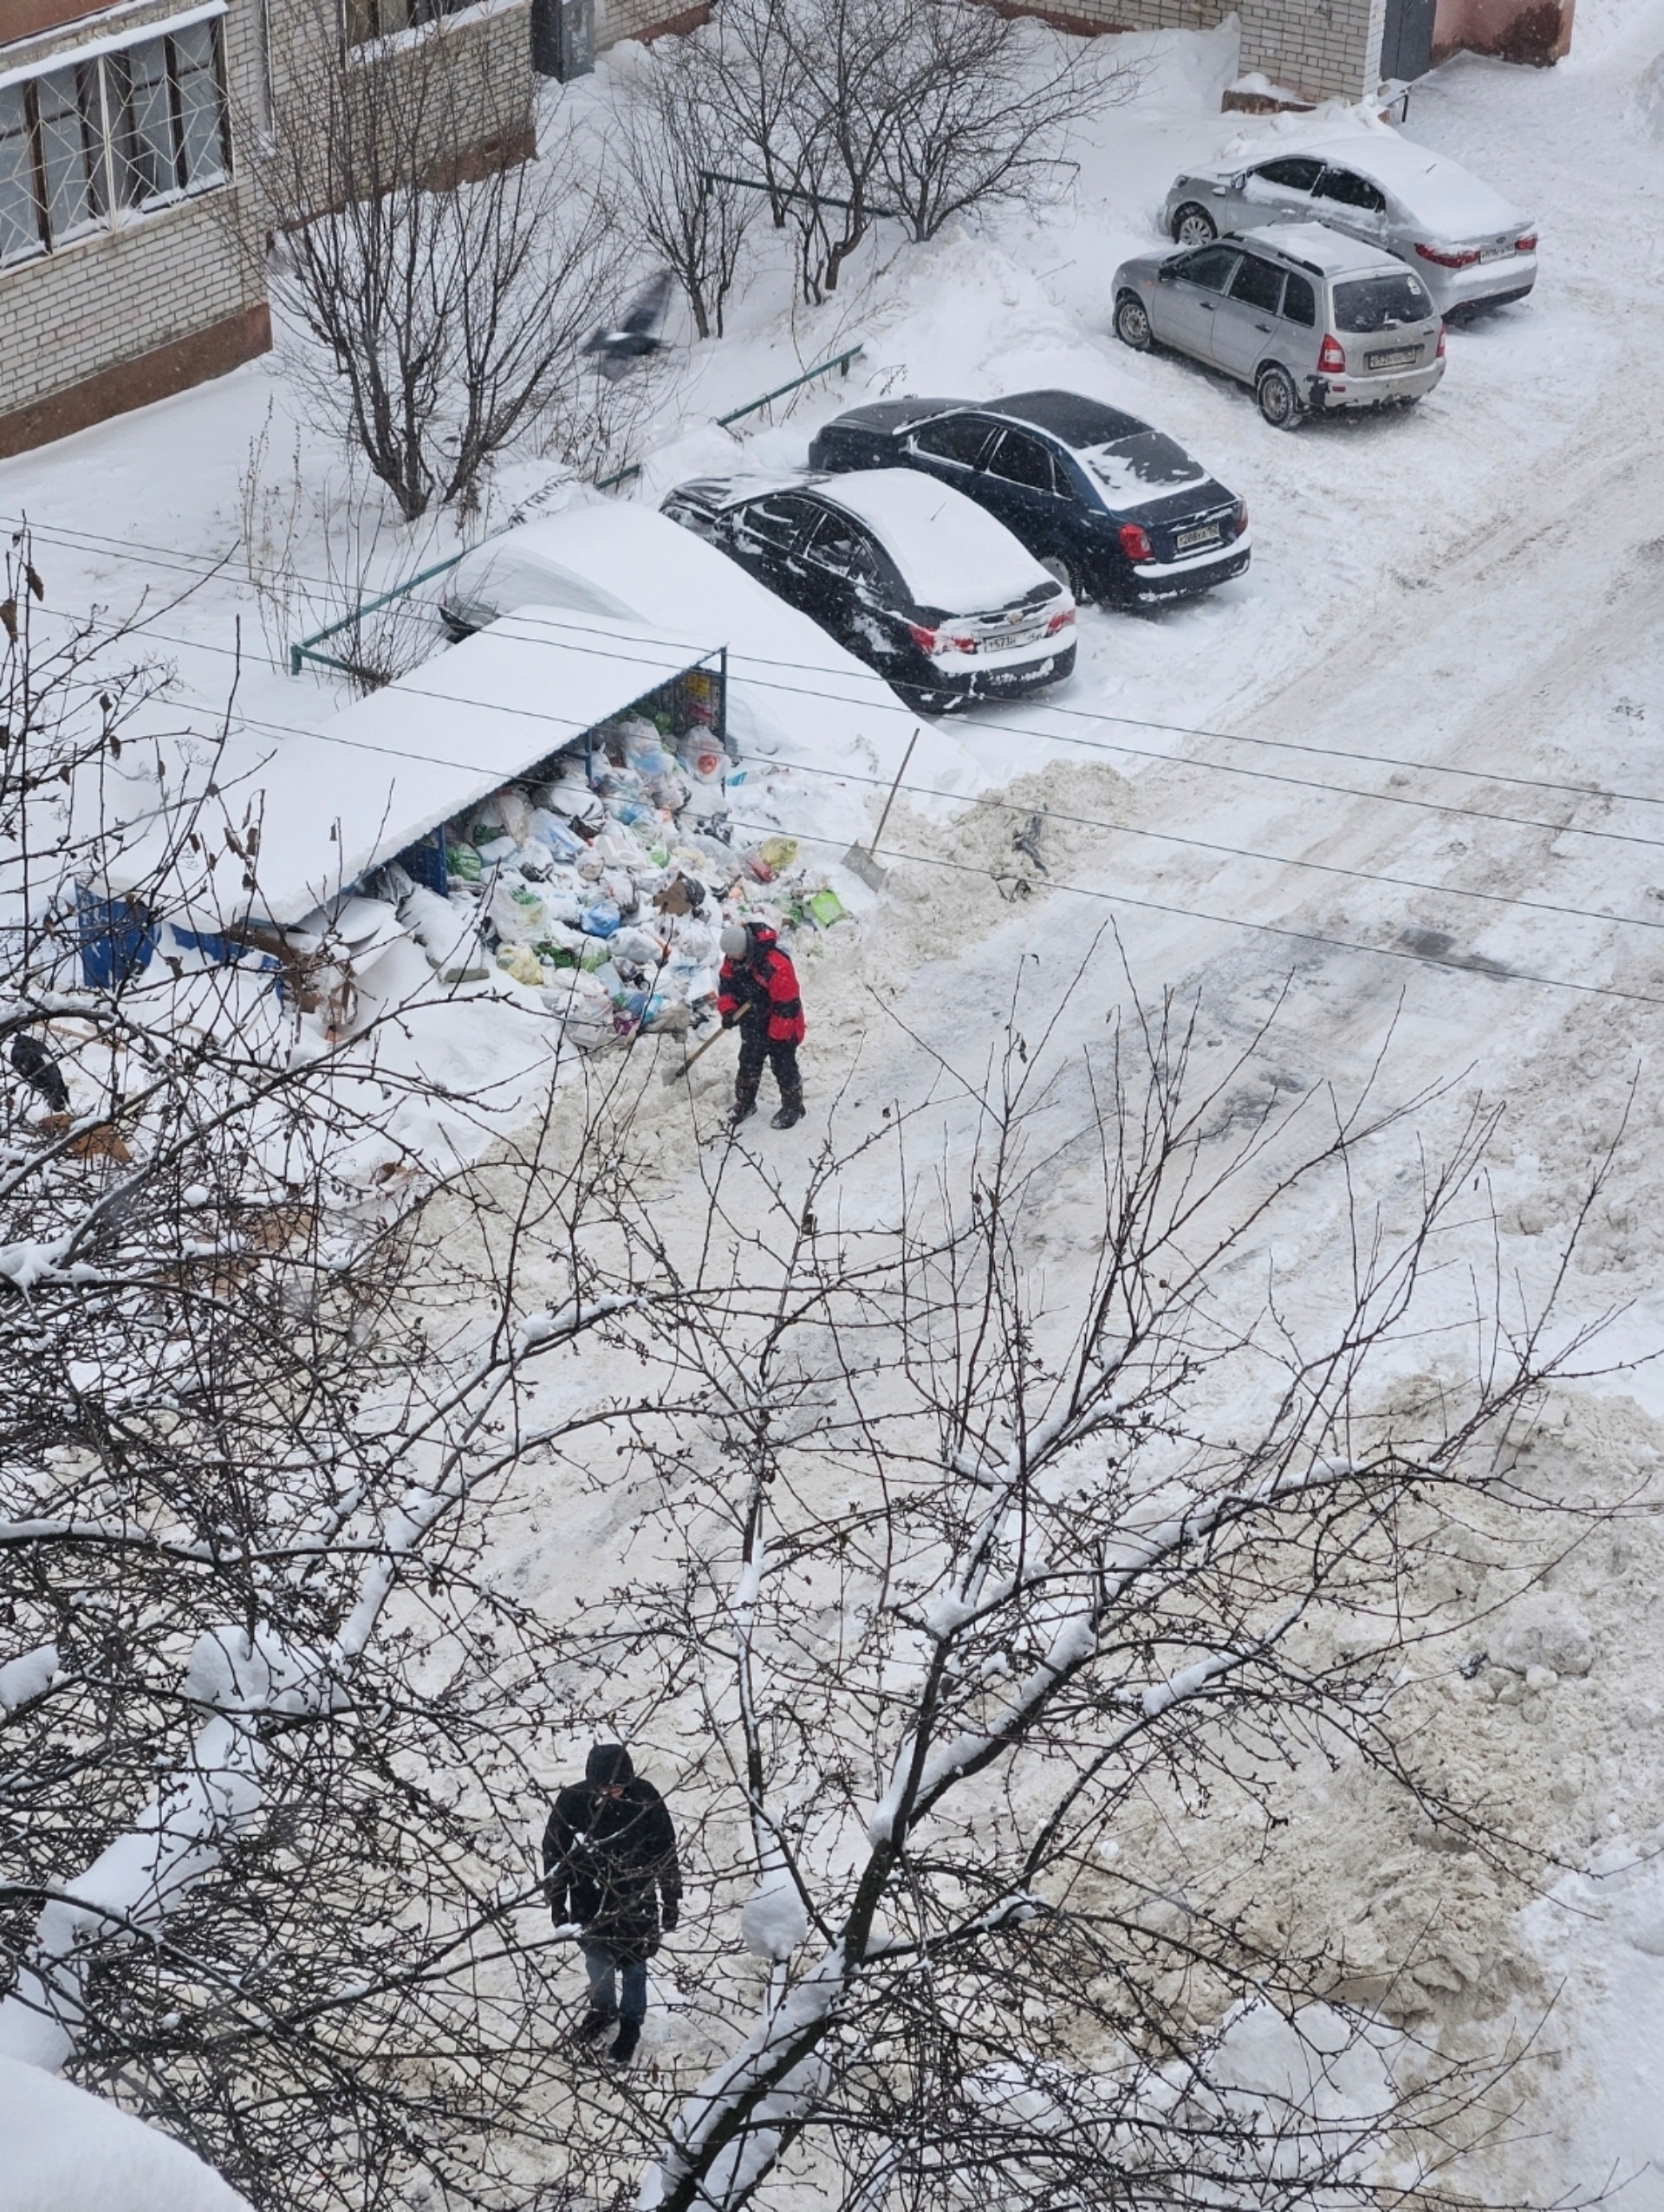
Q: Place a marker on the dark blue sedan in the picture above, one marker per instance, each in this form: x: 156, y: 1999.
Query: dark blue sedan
x: 1115, y: 510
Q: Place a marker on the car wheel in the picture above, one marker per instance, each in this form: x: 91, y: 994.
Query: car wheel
x: 1279, y: 401
x: 1133, y: 323
x: 1193, y: 226
x: 919, y: 700
x: 1065, y: 573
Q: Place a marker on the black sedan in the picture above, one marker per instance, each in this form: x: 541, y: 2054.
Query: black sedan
x: 911, y: 577
x: 1112, y: 509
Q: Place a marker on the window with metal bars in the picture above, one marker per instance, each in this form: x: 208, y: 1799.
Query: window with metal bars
x: 367, y: 20
x: 86, y: 143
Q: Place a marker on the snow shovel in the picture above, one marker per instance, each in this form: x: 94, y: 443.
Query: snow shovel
x: 675, y: 1074
x: 859, y: 859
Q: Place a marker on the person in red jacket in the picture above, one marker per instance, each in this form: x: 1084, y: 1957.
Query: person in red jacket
x: 757, y: 993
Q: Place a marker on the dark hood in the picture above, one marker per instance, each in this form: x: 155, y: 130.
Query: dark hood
x: 609, y: 1766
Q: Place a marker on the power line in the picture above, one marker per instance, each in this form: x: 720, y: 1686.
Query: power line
x: 1091, y: 821
x: 208, y: 565
x: 1496, y: 973
x: 891, y: 704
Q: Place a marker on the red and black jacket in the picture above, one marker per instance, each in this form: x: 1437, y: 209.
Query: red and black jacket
x: 763, y: 987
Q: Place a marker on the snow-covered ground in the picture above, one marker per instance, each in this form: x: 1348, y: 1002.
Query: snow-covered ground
x: 1408, y: 761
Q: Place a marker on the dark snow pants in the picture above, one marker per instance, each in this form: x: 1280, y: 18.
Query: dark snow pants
x: 606, y: 1972
x: 756, y: 1047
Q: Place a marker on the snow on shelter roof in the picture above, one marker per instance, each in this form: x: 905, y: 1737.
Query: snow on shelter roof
x: 337, y: 802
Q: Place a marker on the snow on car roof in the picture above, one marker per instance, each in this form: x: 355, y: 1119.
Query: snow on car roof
x: 896, y: 415
x: 1079, y: 422
x: 951, y: 553
x: 1328, y: 251
x: 721, y: 492
x: 1434, y: 189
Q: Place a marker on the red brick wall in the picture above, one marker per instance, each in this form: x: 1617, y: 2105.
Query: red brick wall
x: 23, y: 18
x: 1519, y: 31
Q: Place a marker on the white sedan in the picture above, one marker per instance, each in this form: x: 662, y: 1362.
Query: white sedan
x: 1466, y: 244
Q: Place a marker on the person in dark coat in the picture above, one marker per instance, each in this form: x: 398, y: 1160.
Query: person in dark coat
x: 610, y: 1863
x: 757, y: 992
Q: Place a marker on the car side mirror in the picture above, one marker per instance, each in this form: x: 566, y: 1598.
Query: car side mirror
x: 1165, y: 276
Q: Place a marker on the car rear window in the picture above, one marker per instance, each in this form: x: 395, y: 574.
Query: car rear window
x: 1366, y: 303
x: 1134, y: 471
x: 960, y: 439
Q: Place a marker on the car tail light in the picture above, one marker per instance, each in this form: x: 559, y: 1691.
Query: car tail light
x: 1331, y: 359
x: 1450, y: 256
x: 1059, y: 621
x: 1135, y: 543
x: 940, y: 641
x: 1242, y: 517
x: 1440, y: 354
x: 1527, y: 245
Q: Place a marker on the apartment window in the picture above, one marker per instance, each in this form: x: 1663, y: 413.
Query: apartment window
x: 371, y: 19
x: 131, y: 129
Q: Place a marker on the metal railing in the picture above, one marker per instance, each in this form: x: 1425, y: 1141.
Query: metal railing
x: 305, y: 649
x: 709, y: 177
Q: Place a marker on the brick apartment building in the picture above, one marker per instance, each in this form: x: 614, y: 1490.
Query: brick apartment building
x: 130, y: 228
x: 131, y: 233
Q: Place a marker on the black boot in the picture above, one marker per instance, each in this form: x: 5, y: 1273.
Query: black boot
x: 744, y: 1106
x: 593, y: 2026
x: 791, y: 1111
x: 623, y: 2050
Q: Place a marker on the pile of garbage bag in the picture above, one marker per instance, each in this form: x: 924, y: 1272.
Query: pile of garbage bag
x: 606, y: 888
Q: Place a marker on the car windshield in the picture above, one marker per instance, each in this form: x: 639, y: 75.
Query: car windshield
x: 1366, y: 303
x: 1135, y: 470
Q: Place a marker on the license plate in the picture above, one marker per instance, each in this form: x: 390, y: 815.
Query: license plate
x: 1495, y: 253
x: 1400, y: 357
x: 1186, y: 539
x: 1005, y: 638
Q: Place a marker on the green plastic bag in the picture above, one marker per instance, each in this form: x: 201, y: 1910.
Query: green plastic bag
x: 824, y: 907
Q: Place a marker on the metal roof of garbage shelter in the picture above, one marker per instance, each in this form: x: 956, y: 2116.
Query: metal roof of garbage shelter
x: 333, y: 804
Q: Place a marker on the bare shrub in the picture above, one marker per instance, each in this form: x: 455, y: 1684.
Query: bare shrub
x: 856, y: 110
x: 671, y: 141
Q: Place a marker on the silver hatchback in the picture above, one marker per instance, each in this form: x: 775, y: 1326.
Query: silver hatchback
x: 1315, y: 323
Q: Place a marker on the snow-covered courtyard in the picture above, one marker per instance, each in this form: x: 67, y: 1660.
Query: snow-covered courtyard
x: 1385, y: 807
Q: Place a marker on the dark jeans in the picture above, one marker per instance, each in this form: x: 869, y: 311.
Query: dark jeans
x: 755, y: 1047
x: 625, y: 1999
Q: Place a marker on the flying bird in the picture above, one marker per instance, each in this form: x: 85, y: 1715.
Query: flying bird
x: 619, y: 345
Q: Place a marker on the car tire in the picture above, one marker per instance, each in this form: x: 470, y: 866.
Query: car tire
x: 1279, y: 399
x: 1065, y: 572
x: 1193, y: 226
x: 1133, y: 323
x: 919, y: 698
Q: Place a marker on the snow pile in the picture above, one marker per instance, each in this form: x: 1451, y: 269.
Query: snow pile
x: 27, y: 1677
x: 774, y: 1920
x: 67, y: 2152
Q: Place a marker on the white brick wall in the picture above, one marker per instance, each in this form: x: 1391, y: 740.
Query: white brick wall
x: 1317, y: 48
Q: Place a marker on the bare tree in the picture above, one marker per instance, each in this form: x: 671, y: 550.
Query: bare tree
x: 671, y: 140
x: 985, y: 113
x: 265, y: 1763
x: 972, y: 1563
x: 933, y: 1565
x: 856, y: 110
x: 444, y: 276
